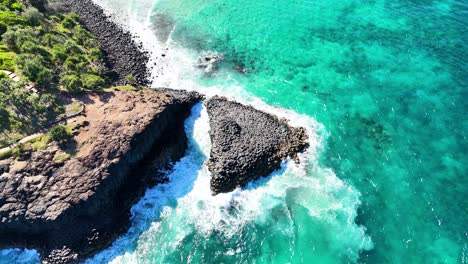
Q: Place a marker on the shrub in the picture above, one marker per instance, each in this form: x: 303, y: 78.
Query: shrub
x: 76, y: 63
x: 59, y: 134
x: 16, y: 6
x: 23, y: 35
x: 5, y: 122
x: 58, y: 54
x: 3, y: 28
x: 82, y: 36
x: 72, y: 83
x: 39, y: 4
x: 7, y: 61
x: 9, y: 38
x: 3, y: 75
x: 70, y: 21
x: 15, y: 37
x: 34, y: 68
x: 33, y: 48
x: 10, y: 18
x: 33, y: 16
x: 94, y: 54
x: 131, y: 79
x: 92, y: 81
x: 71, y: 47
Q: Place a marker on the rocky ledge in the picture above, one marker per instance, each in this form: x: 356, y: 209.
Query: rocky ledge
x: 247, y: 143
x: 69, y: 201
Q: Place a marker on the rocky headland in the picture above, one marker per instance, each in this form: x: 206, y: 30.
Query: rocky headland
x: 247, y: 143
x: 69, y: 201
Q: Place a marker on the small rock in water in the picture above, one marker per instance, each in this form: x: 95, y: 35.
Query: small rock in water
x: 209, y: 60
x: 247, y: 143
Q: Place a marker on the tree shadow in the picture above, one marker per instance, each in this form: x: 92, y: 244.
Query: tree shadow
x: 70, y: 147
x: 105, y: 97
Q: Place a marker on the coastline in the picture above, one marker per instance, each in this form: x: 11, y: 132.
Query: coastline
x: 69, y: 210
x: 124, y: 56
x: 68, y: 207
x: 91, y: 224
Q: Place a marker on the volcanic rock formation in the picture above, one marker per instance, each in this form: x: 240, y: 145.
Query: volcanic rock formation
x: 68, y: 208
x: 247, y: 143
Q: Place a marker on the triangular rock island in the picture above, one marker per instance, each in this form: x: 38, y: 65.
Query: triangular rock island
x: 247, y: 143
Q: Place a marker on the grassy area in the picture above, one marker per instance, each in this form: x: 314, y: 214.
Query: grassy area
x: 61, y: 157
x: 54, y: 52
x: 40, y: 142
x: 6, y: 154
x: 122, y: 88
x: 74, y: 108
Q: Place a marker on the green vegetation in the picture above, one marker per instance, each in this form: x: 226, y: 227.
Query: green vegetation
x: 131, y: 79
x: 61, y: 157
x: 60, y: 134
x: 6, y: 154
x: 40, y: 142
x: 52, y: 52
x: 29, y: 111
x: 48, y: 47
x: 123, y: 88
x: 74, y: 108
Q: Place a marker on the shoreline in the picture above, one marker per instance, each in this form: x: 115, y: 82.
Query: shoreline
x: 123, y: 55
x: 93, y: 192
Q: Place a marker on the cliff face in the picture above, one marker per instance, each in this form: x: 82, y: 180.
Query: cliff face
x: 68, y: 209
x: 247, y: 144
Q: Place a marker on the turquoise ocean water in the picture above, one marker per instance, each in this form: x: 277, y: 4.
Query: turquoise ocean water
x: 381, y: 86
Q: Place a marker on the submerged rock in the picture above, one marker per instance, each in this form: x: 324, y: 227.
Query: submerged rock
x: 247, y: 144
x: 209, y: 61
x: 68, y: 207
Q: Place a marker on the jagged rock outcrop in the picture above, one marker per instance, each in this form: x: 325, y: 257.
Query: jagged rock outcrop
x: 70, y: 208
x: 123, y: 54
x: 247, y: 143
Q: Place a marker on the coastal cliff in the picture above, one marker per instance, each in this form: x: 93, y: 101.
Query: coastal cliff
x: 68, y: 209
x: 70, y: 200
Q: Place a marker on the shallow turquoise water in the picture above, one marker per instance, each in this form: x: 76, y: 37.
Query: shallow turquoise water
x: 382, y: 88
x: 388, y: 79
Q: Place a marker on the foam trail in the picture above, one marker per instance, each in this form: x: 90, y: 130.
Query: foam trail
x: 318, y: 189
x: 169, y: 214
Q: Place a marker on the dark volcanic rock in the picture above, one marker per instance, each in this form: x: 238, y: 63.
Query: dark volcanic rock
x: 247, y: 143
x: 123, y: 54
x: 69, y: 209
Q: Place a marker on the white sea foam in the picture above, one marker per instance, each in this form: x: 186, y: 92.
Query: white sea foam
x: 322, y: 193
x: 169, y: 212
